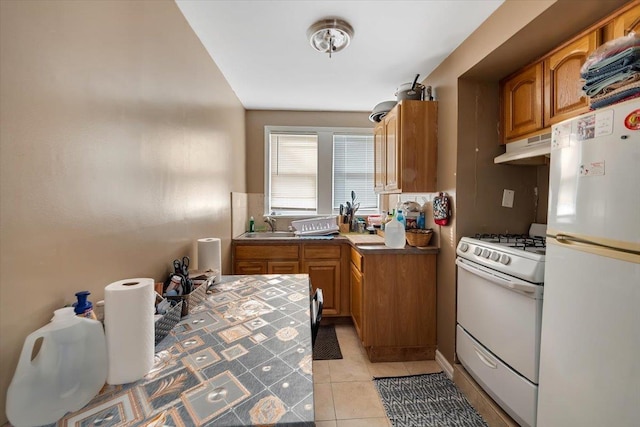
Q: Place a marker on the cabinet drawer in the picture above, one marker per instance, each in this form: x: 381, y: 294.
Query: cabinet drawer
x: 321, y: 251
x: 243, y: 252
x: 250, y: 267
x: 356, y: 259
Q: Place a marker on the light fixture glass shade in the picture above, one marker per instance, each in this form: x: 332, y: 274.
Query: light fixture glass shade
x: 330, y: 35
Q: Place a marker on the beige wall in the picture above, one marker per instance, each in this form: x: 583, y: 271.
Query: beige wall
x: 466, y: 87
x: 257, y: 119
x: 120, y: 144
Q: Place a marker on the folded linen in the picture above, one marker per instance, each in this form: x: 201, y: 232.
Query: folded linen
x: 607, y: 103
x: 605, y: 74
x: 635, y: 77
x: 593, y: 87
x: 611, y: 48
x: 615, y: 62
x: 618, y: 95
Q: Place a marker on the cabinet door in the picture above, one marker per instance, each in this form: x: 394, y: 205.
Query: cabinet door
x: 392, y: 138
x: 522, y: 102
x: 379, y: 157
x: 325, y: 274
x: 356, y: 300
x: 283, y: 267
x: 627, y: 22
x: 418, y: 147
x: 563, y: 96
x: 250, y: 267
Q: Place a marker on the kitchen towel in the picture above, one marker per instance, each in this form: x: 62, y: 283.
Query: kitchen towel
x: 209, y: 255
x: 129, y: 329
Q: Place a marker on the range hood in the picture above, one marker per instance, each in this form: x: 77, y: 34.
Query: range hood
x: 530, y: 151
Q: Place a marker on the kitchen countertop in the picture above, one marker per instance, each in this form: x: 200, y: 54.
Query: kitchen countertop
x: 407, y: 250
x: 364, y: 243
x: 242, y: 358
x: 369, y: 243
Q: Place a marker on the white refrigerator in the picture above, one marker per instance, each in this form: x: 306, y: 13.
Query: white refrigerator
x: 590, y: 342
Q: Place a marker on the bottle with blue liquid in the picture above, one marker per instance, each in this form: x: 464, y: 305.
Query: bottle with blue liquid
x: 401, y: 218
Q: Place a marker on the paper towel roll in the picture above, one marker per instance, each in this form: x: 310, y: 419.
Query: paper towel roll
x: 209, y: 254
x: 129, y: 329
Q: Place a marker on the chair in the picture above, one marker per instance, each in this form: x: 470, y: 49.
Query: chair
x: 316, y: 314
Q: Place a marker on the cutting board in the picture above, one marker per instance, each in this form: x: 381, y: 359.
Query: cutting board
x: 365, y: 239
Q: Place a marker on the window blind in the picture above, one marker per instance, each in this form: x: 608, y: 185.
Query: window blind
x: 353, y: 170
x: 294, y: 171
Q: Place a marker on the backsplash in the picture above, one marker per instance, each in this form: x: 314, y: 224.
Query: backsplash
x: 246, y: 205
x: 391, y: 201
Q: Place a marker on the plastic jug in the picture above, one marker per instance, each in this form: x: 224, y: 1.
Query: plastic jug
x: 68, y: 371
x: 394, y: 234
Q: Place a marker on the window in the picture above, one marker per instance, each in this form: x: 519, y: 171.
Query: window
x: 353, y: 170
x: 313, y: 170
x: 294, y: 172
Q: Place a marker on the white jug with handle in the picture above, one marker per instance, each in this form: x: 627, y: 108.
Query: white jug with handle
x: 68, y: 371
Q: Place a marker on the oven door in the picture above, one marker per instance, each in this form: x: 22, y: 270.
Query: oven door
x: 503, y: 313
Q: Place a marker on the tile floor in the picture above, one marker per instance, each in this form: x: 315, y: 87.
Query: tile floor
x: 345, y: 395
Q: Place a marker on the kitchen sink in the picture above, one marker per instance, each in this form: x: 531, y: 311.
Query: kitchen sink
x: 269, y: 234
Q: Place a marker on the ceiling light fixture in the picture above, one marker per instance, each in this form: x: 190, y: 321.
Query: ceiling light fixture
x: 330, y: 35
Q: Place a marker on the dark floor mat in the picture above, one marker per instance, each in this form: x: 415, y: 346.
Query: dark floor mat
x: 430, y: 400
x: 326, y: 346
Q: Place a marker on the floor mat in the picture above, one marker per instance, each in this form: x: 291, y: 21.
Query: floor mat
x: 426, y: 400
x: 326, y: 346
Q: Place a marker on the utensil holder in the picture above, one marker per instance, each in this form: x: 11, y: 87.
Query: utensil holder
x: 192, y: 299
x: 170, y: 319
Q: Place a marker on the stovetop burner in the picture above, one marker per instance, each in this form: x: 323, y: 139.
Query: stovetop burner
x: 519, y: 241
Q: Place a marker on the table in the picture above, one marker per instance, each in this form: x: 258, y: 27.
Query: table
x: 242, y: 358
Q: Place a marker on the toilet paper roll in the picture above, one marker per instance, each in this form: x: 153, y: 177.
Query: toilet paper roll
x: 209, y: 254
x: 129, y: 329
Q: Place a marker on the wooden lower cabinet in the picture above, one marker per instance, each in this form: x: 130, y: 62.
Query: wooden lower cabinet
x: 356, y: 298
x: 283, y: 267
x: 393, y: 304
x: 250, y: 267
x: 326, y: 265
x: 325, y: 274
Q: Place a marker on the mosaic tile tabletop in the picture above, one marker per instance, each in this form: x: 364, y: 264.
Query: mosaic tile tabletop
x: 243, y: 358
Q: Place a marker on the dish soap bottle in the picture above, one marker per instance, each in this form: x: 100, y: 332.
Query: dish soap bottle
x: 401, y: 218
x: 394, y: 234
x: 67, y: 372
x: 252, y: 225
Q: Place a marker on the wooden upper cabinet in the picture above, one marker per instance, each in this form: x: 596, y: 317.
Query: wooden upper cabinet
x: 522, y: 102
x: 379, y: 157
x: 563, y: 96
x: 406, y: 148
x: 626, y: 22
x: 550, y: 91
x: 392, y: 135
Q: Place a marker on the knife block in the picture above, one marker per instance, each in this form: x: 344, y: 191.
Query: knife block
x: 344, y: 227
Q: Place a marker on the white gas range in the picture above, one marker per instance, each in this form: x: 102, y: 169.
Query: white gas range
x: 518, y: 255
x: 500, y: 288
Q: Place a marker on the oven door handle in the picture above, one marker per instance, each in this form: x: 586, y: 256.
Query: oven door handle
x: 517, y: 286
x: 484, y: 358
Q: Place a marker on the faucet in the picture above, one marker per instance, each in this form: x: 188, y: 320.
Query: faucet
x: 271, y: 222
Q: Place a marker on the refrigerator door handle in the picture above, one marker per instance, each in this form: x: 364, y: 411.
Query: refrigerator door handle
x: 595, y: 247
x: 517, y: 286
